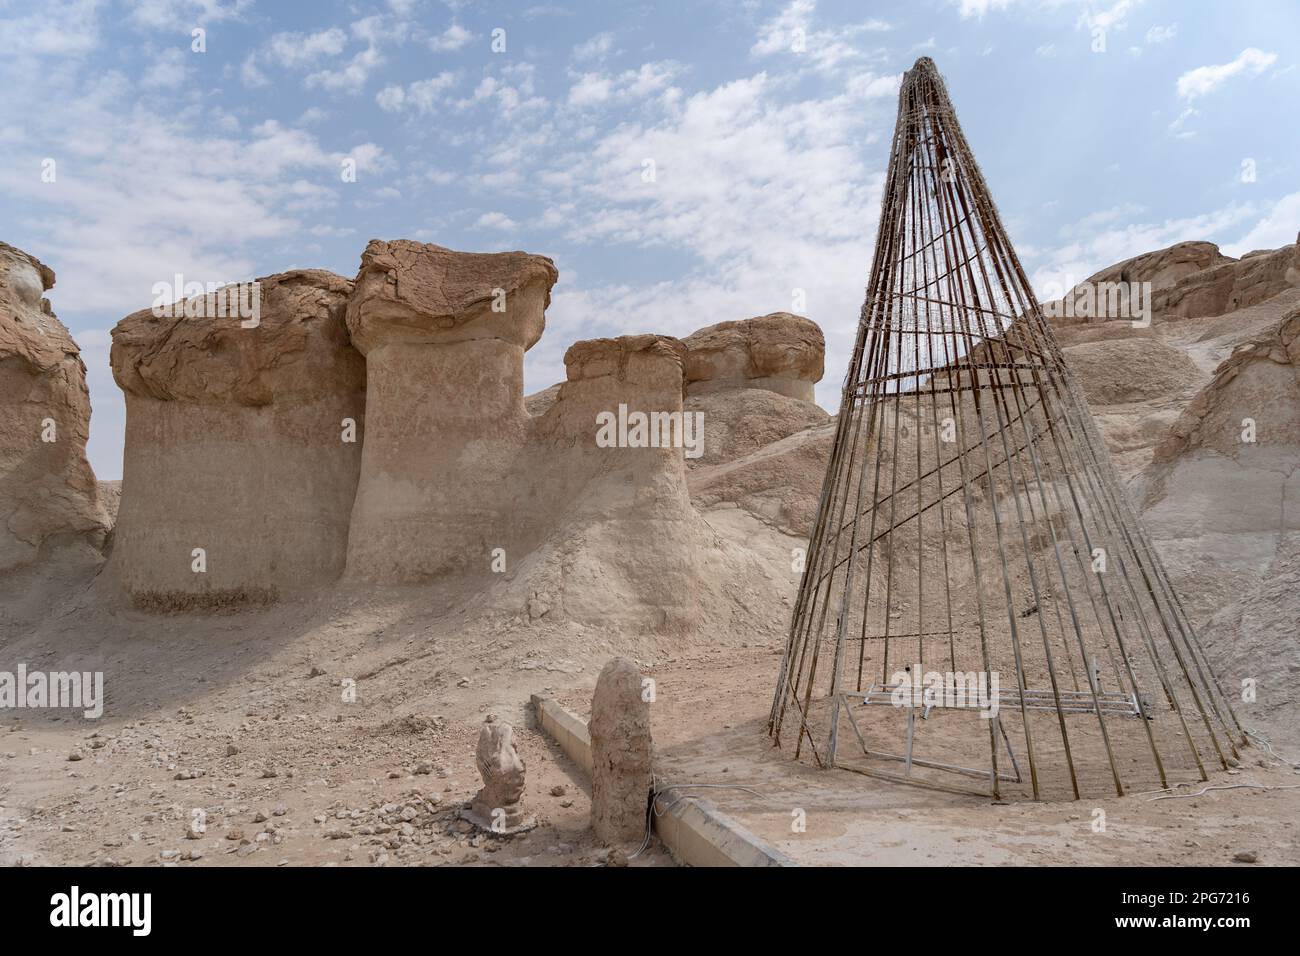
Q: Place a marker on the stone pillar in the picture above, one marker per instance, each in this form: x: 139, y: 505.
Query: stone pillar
x: 237, y: 443
x: 641, y: 537
x: 444, y: 335
x: 47, y: 489
x: 622, y: 754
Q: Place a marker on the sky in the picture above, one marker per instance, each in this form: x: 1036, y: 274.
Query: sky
x: 684, y: 163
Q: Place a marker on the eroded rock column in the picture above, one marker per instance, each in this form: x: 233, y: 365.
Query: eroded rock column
x: 243, y: 443
x: 610, y: 461
x: 622, y: 754
x: 444, y: 335
x: 47, y: 489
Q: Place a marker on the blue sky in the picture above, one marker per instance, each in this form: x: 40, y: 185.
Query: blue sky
x: 1104, y: 129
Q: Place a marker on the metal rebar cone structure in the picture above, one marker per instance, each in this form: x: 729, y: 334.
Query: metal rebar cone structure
x: 980, y: 608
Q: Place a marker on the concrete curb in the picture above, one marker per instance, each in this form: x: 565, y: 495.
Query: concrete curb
x: 565, y: 729
x: 695, y: 832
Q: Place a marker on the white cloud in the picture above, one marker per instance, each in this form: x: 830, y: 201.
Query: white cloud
x: 1114, y: 17
x: 512, y: 92
x: 591, y: 88
x: 184, y: 14
x: 791, y: 31
x: 765, y: 195
x: 390, y: 98
x: 451, y: 39
x: 1275, y: 228
x: 594, y: 89
x: 352, y: 77
x: 63, y: 29
x: 167, y: 71
x: 868, y: 86
x: 977, y: 8
x: 597, y: 48
x: 296, y: 50
x: 422, y: 96
x: 149, y: 192
x: 1161, y: 34
x: 495, y: 220
x: 1179, y: 126
x: 1097, y: 241
x: 1207, y: 79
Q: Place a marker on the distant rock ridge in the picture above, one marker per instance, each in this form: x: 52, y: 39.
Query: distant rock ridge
x: 1188, y: 280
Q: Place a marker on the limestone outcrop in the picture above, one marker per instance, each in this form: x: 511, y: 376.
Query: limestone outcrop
x: 1220, y: 497
x: 1188, y: 280
x: 444, y: 335
x: 1164, y: 268
x: 47, y: 489
x: 605, y: 478
x: 780, y: 352
x: 1236, y: 284
x: 622, y: 754
x: 1259, y: 383
x: 243, y: 442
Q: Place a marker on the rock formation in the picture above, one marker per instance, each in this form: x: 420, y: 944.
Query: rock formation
x: 47, y: 489
x: 628, y: 540
x: 1232, y: 285
x: 622, y: 754
x: 1221, y: 497
x: 243, y: 443
x: 780, y: 352
x: 444, y: 335
x: 497, y: 806
x: 1188, y: 280
x: 753, y: 383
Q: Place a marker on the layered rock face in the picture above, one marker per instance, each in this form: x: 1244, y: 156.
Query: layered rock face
x: 781, y: 352
x: 243, y: 439
x: 1235, y: 284
x: 47, y: 489
x: 1222, y: 498
x: 444, y: 335
x: 1188, y: 280
x: 608, y: 467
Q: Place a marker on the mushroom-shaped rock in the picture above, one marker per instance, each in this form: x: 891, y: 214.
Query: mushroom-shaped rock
x: 444, y: 335
x: 47, y: 489
x: 622, y: 754
x: 781, y: 352
x: 244, y: 420
x: 497, y: 805
x: 610, y: 459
